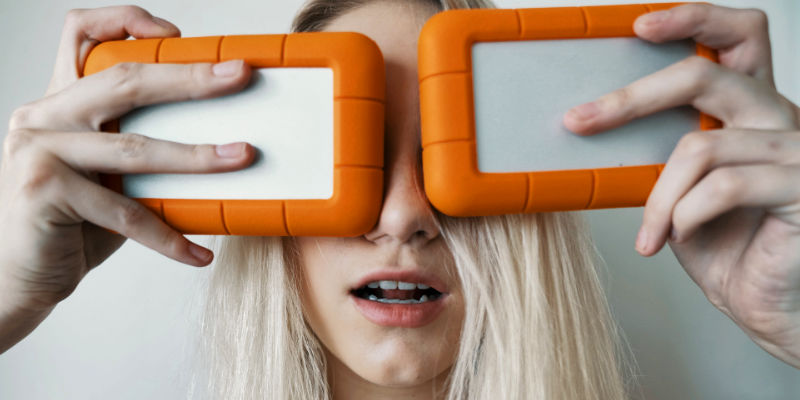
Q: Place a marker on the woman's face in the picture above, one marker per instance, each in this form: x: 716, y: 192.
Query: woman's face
x: 400, y: 333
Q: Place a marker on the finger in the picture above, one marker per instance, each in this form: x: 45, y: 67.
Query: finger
x: 695, y: 155
x: 740, y: 35
x: 736, y: 99
x: 113, y: 92
x: 723, y: 189
x: 111, y: 210
x: 83, y: 29
x: 130, y: 153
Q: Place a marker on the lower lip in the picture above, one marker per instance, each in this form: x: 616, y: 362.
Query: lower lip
x: 400, y: 315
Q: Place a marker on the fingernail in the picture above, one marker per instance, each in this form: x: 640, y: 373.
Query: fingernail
x: 230, y: 150
x: 653, y: 18
x: 227, y: 68
x: 199, y: 253
x: 585, y: 111
x: 673, y: 235
x: 641, y: 240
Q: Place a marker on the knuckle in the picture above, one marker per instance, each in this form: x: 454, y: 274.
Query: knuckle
x: 125, y: 79
x: 697, y: 145
x: 20, y: 117
x: 173, y: 241
x: 197, y: 75
x: 130, y: 145
x: 15, y: 141
x: 131, y: 215
x: 758, y: 19
x: 620, y: 99
x: 704, y: 11
x: 701, y: 71
x: 656, y: 207
x: 74, y: 17
x: 679, y: 219
x: 726, y: 184
x: 201, y: 154
x: 134, y: 11
x: 695, y: 12
x: 683, y: 215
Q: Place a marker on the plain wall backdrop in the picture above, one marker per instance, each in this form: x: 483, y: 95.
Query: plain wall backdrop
x: 128, y: 330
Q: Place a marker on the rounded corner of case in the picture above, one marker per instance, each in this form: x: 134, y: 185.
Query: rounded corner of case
x: 357, y: 62
x: 445, y: 203
x: 362, y: 224
x: 108, y: 54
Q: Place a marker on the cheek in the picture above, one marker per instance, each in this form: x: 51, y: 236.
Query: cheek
x: 326, y: 272
x: 321, y: 295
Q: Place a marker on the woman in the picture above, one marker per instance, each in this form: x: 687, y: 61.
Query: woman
x: 520, y: 312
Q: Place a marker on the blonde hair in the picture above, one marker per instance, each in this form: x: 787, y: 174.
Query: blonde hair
x: 537, y: 324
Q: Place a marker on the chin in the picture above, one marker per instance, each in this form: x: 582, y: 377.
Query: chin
x: 401, y: 366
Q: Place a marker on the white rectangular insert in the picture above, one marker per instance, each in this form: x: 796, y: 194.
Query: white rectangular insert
x: 523, y: 89
x: 286, y: 113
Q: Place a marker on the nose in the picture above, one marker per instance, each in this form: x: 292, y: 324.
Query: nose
x: 406, y: 215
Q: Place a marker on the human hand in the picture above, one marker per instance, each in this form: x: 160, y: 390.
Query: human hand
x: 728, y: 200
x: 54, y: 213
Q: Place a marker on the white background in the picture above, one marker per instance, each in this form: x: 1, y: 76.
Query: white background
x: 127, y: 331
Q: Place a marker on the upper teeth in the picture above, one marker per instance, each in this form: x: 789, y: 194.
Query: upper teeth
x: 423, y: 299
x: 392, y: 285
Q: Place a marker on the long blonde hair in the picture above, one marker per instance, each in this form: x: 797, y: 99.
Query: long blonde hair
x: 537, y: 324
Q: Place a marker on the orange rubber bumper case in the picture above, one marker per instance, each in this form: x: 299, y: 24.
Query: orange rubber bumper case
x: 448, y: 78
x: 358, y: 100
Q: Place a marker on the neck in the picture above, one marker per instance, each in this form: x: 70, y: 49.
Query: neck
x: 346, y: 384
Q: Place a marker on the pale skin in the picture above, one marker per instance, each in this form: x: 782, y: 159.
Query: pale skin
x: 367, y: 360
x: 730, y: 196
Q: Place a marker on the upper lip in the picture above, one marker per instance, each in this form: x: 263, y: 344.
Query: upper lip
x: 411, y: 275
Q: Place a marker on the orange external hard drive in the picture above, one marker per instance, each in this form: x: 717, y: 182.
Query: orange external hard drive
x: 494, y: 87
x: 314, y: 111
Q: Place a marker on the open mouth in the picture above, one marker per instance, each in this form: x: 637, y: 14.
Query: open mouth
x: 397, y: 292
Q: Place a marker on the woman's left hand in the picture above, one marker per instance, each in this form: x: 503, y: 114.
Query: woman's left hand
x: 728, y: 200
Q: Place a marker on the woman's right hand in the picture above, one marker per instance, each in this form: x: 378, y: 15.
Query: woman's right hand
x: 54, y: 214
